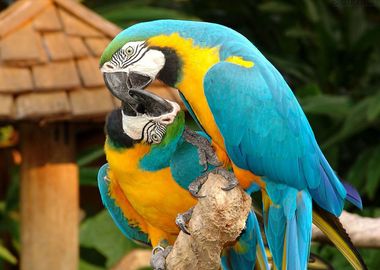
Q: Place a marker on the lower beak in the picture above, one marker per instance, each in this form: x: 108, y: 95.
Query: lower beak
x: 150, y: 104
x: 128, y: 88
x: 119, y: 83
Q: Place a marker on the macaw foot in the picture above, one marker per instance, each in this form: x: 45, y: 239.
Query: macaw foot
x: 206, y: 153
x: 229, y: 176
x: 182, y: 219
x: 196, y: 185
x: 158, y: 259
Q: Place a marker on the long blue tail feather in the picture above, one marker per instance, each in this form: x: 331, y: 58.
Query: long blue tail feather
x: 287, y: 223
x: 353, y: 195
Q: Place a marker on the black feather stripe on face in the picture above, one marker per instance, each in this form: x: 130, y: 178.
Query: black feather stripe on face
x: 115, y: 132
x: 122, y: 60
x: 169, y: 74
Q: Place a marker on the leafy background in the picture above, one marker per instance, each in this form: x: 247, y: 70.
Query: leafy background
x: 329, y: 53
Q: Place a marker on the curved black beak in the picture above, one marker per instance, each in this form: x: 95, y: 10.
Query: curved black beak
x: 119, y: 83
x: 144, y: 102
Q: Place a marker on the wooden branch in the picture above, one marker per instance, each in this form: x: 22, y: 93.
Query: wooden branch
x: 363, y: 231
x: 217, y: 220
x: 134, y: 260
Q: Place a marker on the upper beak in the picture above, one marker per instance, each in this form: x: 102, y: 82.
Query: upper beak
x: 119, y: 83
x: 145, y: 102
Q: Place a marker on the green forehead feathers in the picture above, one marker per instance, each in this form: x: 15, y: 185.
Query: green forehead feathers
x: 116, y: 44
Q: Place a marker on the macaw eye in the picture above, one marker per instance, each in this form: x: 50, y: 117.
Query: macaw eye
x: 155, y: 138
x: 129, y: 50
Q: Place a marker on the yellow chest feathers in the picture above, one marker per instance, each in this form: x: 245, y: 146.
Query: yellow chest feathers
x: 154, y: 195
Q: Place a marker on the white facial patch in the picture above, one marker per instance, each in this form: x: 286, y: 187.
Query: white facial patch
x: 148, y: 128
x: 151, y: 63
x: 136, y: 57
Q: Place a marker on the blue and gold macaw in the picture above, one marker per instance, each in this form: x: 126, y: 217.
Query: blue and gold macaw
x: 255, y: 123
x: 144, y: 185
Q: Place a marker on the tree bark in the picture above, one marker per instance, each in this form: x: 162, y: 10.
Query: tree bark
x: 49, y: 198
x: 217, y: 220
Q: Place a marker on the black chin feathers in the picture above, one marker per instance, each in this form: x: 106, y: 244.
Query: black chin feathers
x: 169, y: 74
x: 114, y: 131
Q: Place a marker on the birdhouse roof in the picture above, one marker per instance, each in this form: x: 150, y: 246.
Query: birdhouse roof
x: 49, y: 51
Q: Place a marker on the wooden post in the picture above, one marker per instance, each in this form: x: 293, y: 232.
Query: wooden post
x: 49, y: 198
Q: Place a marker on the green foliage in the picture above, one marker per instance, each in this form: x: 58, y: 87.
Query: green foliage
x: 126, y: 13
x: 83, y: 265
x: 100, y: 233
x: 9, y: 221
x: 90, y: 155
x: 6, y: 255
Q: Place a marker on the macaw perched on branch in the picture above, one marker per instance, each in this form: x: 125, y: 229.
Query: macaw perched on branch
x: 245, y: 106
x: 144, y: 185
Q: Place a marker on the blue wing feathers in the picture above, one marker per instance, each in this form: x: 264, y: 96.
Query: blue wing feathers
x: 266, y: 131
x: 184, y: 163
x: 353, y: 195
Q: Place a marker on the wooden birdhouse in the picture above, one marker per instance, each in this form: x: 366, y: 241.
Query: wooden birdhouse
x: 49, y: 81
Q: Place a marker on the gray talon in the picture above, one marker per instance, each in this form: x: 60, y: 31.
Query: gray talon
x: 230, y: 186
x: 196, y: 185
x: 229, y: 176
x: 203, y: 160
x: 182, y: 219
x: 158, y: 259
x: 207, y: 156
x: 205, y: 151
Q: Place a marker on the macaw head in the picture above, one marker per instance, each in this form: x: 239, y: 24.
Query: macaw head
x: 131, y: 61
x: 163, y: 50
x: 146, y: 121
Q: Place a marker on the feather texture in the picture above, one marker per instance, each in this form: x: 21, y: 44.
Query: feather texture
x: 275, y: 139
x: 287, y: 223
x: 132, y: 232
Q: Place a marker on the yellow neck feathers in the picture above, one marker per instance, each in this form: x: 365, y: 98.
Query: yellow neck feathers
x: 196, y: 61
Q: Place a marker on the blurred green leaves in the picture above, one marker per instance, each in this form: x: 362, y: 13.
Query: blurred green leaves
x: 6, y: 255
x: 365, y: 173
x: 88, y: 172
x: 126, y: 13
x: 90, y: 155
x: 336, y: 107
x: 100, y: 233
x: 9, y: 221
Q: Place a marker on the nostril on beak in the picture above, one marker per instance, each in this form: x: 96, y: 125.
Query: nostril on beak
x: 129, y: 83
